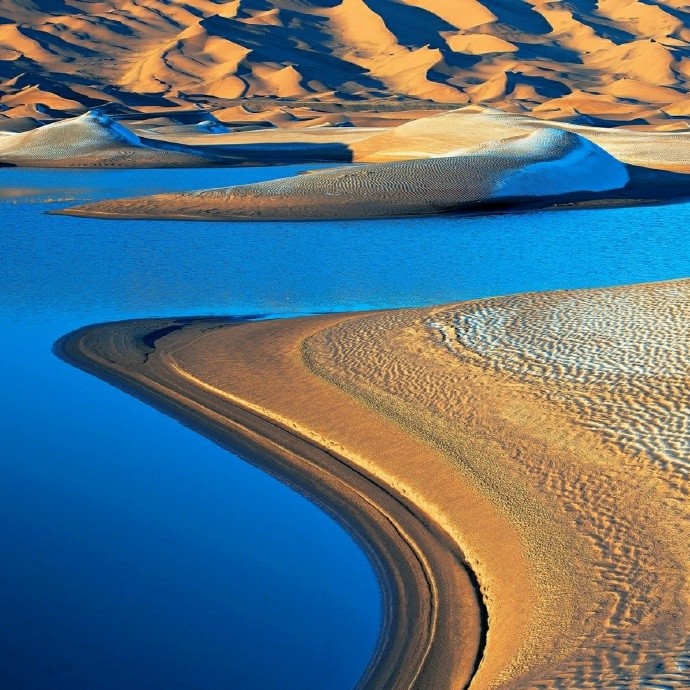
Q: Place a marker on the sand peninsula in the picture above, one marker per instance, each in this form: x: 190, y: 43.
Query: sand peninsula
x: 516, y: 467
x: 470, y: 160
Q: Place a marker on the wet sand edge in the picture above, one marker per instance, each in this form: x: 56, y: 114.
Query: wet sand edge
x: 421, y: 571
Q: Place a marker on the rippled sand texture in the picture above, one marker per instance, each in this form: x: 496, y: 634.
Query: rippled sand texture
x: 616, y: 360
x: 546, y: 165
x: 570, y: 412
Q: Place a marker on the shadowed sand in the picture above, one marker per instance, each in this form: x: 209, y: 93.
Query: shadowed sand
x: 542, y: 439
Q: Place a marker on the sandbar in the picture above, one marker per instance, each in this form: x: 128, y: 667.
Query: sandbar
x: 426, y: 583
x: 515, y: 467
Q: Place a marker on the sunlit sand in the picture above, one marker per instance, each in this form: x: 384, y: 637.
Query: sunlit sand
x: 611, y: 62
x: 541, y: 438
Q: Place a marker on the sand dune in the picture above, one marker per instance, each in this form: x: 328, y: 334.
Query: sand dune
x: 559, y: 59
x: 96, y: 140
x: 544, y: 166
x: 478, y: 125
x: 543, y: 436
x: 151, y: 137
x: 91, y: 140
x: 17, y: 124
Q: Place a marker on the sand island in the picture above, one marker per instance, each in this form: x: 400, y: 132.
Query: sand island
x: 516, y: 466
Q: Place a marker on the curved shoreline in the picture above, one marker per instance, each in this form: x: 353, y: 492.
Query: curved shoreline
x: 421, y: 571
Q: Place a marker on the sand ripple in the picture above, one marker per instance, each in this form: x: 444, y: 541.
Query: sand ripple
x: 617, y: 360
x: 570, y: 410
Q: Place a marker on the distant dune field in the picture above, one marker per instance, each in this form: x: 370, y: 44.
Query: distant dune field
x: 610, y: 62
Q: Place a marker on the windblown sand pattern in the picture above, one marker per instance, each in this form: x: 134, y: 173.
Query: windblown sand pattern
x: 617, y: 360
x: 580, y: 400
x: 540, y: 439
x: 544, y: 165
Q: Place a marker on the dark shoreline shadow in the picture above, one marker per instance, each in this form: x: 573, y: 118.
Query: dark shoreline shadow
x: 409, y: 652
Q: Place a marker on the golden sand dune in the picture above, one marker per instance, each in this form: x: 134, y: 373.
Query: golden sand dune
x: 615, y: 61
x: 543, y: 438
x: 91, y: 140
x: 464, y: 170
x: 97, y: 140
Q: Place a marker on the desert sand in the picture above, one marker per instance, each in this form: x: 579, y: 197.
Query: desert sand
x: 610, y: 62
x: 544, y: 166
x: 531, y: 450
x: 262, y: 82
x: 105, y: 138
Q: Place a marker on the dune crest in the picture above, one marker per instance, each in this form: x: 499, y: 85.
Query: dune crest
x: 553, y: 163
x: 519, y: 56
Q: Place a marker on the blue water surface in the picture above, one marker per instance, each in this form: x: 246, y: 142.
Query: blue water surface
x: 138, y: 555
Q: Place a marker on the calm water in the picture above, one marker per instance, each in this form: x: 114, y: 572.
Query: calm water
x: 138, y: 555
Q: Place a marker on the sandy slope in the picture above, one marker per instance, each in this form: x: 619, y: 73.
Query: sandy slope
x: 92, y: 140
x: 470, y: 126
x: 545, y: 166
x: 545, y: 435
x: 613, y: 60
x: 197, y: 137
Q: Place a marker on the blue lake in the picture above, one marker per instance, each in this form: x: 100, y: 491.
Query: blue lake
x: 138, y: 555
